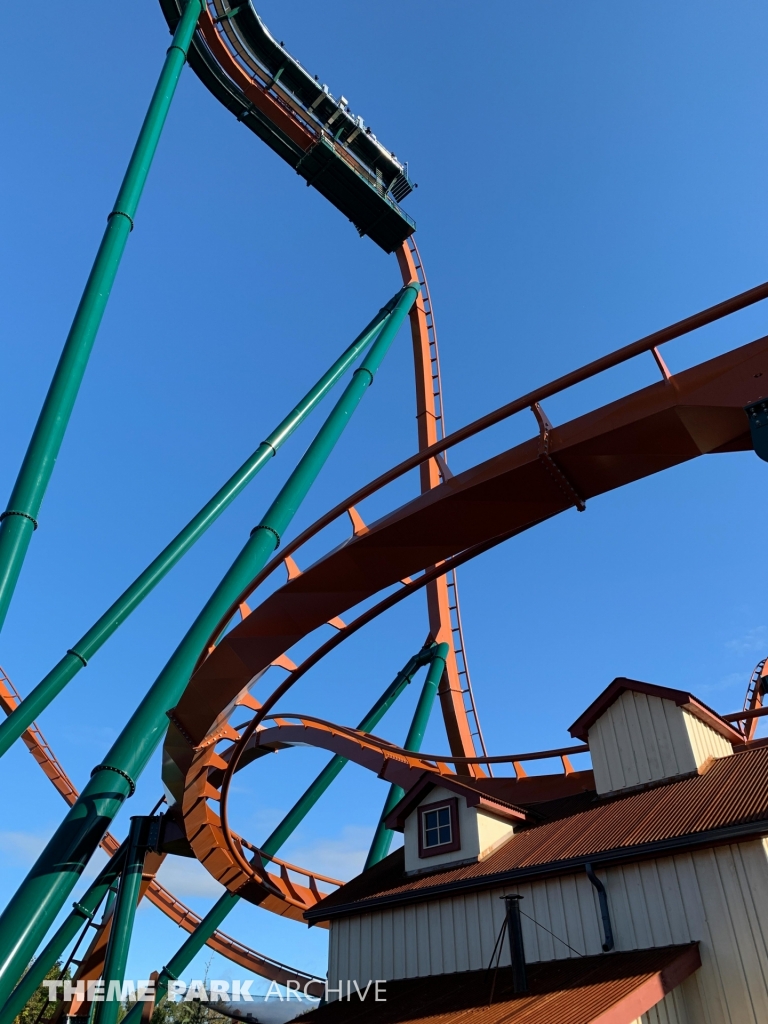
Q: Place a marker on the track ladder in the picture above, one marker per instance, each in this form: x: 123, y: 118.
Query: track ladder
x: 754, y: 697
x: 750, y: 699
x: 457, y: 632
x: 36, y: 743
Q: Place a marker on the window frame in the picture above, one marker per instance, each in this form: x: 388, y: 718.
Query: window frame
x: 452, y: 803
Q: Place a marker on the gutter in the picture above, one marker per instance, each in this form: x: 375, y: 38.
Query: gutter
x: 609, y: 858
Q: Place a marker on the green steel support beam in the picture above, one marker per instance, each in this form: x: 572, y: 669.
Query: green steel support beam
x: 308, y: 800
x: 83, y: 910
x: 123, y: 917
x: 37, y: 901
x: 382, y: 840
x: 187, y: 952
x: 80, y: 653
x: 192, y: 945
x: 20, y: 518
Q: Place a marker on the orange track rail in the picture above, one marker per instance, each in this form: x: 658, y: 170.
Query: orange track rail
x: 156, y: 893
x: 280, y: 893
x: 431, y: 428
x: 698, y: 411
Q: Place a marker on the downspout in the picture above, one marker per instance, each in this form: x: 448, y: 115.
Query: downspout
x: 602, y: 899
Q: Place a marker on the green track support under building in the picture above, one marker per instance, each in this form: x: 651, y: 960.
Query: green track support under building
x: 383, y: 836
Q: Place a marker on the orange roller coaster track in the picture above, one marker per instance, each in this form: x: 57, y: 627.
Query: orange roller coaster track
x: 455, y: 517
x: 156, y: 893
x: 699, y: 411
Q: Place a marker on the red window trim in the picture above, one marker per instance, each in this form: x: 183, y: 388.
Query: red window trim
x: 452, y: 803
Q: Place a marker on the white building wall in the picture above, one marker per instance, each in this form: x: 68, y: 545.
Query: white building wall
x: 705, y: 742
x: 718, y: 897
x: 468, y: 833
x: 641, y: 738
x: 671, y: 1010
x: 492, y: 832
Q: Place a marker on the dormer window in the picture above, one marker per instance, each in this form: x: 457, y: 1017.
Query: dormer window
x: 439, y: 828
x: 449, y: 821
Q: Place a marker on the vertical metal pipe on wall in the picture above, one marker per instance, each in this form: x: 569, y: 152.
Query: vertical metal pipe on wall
x: 602, y: 899
x: 37, y: 901
x: 516, y: 947
x: 19, y: 520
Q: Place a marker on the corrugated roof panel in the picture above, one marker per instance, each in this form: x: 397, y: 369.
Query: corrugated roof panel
x: 732, y: 792
x: 574, y: 991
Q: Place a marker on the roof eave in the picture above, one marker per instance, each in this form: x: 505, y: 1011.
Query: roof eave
x: 606, y: 858
x: 682, y: 698
x: 395, y: 820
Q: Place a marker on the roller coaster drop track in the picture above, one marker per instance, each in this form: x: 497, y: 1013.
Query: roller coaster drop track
x: 417, y: 546
x: 699, y: 411
x: 445, y: 622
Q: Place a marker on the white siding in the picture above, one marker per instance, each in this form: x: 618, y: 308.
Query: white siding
x: 718, y: 897
x: 641, y: 738
x: 492, y: 832
x: 671, y: 1010
x: 480, y: 833
x: 705, y: 742
x: 468, y: 835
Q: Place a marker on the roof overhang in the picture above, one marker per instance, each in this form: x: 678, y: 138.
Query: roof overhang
x: 395, y: 820
x: 463, y: 884
x: 610, y: 988
x: 683, y: 699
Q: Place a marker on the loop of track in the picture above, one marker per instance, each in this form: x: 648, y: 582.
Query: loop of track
x: 252, y: 879
x: 698, y: 411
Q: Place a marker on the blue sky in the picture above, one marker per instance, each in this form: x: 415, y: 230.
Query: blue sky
x: 587, y: 173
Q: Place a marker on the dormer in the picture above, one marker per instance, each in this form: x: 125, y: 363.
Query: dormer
x: 448, y: 822
x: 640, y: 733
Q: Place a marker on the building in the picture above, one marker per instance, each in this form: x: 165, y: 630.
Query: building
x: 644, y: 884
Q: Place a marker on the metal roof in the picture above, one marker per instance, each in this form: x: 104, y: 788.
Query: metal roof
x: 474, y: 796
x: 612, y: 988
x: 727, y: 802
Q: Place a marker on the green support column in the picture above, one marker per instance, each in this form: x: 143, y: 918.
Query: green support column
x: 82, y: 910
x: 37, y: 901
x: 20, y: 518
x: 308, y: 800
x: 80, y: 653
x: 123, y: 917
x: 192, y: 945
x: 382, y: 840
